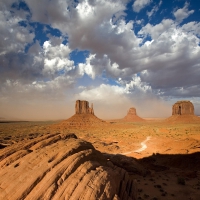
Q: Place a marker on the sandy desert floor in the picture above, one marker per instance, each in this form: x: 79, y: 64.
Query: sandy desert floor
x: 166, y: 150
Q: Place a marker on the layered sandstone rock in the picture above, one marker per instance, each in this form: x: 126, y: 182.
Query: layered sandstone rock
x: 132, y: 115
x: 61, y: 166
x: 183, y: 111
x: 82, y: 107
x: 84, y: 117
x: 183, y: 108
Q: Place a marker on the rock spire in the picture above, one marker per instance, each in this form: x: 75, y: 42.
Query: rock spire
x: 82, y: 107
x: 84, y: 117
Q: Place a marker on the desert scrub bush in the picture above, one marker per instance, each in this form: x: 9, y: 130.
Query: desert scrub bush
x: 181, y: 181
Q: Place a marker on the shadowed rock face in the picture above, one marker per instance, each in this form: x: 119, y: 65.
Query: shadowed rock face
x: 183, y: 108
x: 82, y: 107
x: 61, y: 166
x: 132, y: 116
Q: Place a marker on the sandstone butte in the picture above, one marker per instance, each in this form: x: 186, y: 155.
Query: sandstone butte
x: 84, y: 116
x: 61, y: 166
x: 183, y: 111
x: 132, y: 116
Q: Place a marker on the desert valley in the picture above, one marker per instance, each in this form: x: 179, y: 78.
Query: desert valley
x: 85, y: 157
x: 99, y: 100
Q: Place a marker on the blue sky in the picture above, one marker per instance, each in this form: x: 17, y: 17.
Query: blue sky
x: 116, y: 54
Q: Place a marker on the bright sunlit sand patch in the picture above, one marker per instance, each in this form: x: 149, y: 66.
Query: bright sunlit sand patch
x: 143, y: 144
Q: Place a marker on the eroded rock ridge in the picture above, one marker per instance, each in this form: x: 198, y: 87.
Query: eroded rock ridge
x: 61, y: 166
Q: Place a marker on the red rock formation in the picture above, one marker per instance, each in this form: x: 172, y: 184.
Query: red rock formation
x: 91, y: 110
x: 61, y: 166
x: 84, y: 117
x: 183, y: 108
x: 183, y: 111
x: 132, y: 116
x: 82, y: 107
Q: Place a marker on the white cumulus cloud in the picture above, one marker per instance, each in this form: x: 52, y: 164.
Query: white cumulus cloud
x: 182, y: 13
x: 56, y: 58
x: 140, y: 4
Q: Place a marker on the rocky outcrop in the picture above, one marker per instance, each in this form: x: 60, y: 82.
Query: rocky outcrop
x: 132, y: 115
x: 82, y: 107
x: 183, y: 111
x: 84, y: 117
x: 183, y: 108
x: 61, y: 166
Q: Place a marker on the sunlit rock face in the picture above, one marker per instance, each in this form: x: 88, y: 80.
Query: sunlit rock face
x: 183, y: 112
x: 183, y: 108
x: 61, y: 166
x: 82, y: 107
x: 84, y: 117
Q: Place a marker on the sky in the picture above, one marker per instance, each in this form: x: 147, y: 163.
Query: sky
x: 115, y: 54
